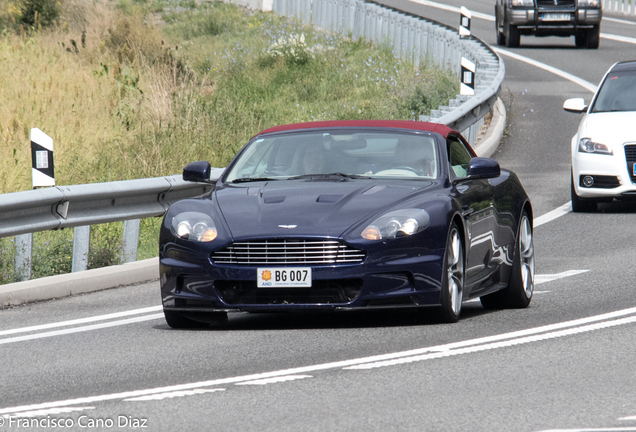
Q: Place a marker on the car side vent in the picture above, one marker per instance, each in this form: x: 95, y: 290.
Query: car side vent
x: 283, y: 252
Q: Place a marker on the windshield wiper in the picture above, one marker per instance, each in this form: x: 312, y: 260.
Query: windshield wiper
x: 338, y: 175
x: 252, y: 179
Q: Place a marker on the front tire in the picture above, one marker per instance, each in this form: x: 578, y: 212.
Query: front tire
x: 452, y: 293
x: 501, y: 39
x: 513, y: 37
x: 521, y: 284
x: 180, y: 320
x: 594, y: 37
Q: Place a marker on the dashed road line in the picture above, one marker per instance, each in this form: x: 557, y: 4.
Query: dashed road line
x: 551, y: 331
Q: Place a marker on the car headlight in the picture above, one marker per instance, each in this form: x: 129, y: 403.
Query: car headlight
x: 397, y: 223
x: 588, y: 3
x: 194, y: 226
x: 586, y: 145
x: 522, y: 3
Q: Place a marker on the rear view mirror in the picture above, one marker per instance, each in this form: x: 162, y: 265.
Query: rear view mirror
x: 575, y: 105
x: 481, y: 167
x: 197, y: 172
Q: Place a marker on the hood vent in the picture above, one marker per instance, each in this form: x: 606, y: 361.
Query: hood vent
x: 286, y: 252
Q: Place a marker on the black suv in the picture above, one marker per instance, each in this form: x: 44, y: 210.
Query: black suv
x: 578, y: 18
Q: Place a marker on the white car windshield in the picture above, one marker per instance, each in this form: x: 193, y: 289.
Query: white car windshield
x: 338, y: 153
x: 618, y: 93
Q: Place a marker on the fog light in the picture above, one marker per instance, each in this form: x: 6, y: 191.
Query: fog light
x: 588, y: 181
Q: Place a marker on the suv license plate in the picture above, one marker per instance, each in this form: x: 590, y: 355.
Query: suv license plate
x: 283, y: 277
x: 556, y: 17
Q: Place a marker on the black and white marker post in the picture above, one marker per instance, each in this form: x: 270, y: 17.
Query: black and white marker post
x: 42, y: 176
x: 464, y: 23
x: 467, y: 78
x: 42, y: 158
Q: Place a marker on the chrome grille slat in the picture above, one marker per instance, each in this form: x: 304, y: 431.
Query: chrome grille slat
x: 281, y: 252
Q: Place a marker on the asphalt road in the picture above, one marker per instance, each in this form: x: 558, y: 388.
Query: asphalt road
x: 566, y: 363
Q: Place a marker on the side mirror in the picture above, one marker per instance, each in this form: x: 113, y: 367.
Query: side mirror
x: 575, y: 105
x: 197, y: 172
x: 480, y: 167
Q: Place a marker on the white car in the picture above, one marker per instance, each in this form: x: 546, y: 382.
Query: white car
x: 604, y: 147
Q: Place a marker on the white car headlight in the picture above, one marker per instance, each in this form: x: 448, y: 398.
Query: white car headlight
x: 527, y: 3
x: 194, y: 226
x: 588, y: 3
x: 397, y: 223
x: 586, y: 145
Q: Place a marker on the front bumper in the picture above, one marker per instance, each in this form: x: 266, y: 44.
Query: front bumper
x: 611, y: 170
x: 392, y: 279
x: 531, y: 21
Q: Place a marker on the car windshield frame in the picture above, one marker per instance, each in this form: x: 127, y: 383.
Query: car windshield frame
x: 617, y: 93
x: 337, y: 154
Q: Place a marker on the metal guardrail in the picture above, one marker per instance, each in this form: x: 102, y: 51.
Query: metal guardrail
x: 79, y: 206
x: 416, y: 39
x: 625, y: 7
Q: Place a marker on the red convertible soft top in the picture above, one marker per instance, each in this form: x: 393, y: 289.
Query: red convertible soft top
x: 399, y: 124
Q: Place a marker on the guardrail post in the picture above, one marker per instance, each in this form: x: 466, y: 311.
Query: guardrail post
x: 131, y: 239
x: 23, y: 254
x: 81, y: 245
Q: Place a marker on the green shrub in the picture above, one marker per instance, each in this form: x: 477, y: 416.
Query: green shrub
x: 43, y: 12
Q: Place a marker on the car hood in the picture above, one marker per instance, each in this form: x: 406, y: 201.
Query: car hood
x: 306, y: 208
x: 609, y: 128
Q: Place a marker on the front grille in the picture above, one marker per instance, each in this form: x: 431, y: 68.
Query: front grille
x: 321, y: 292
x: 552, y: 4
x: 630, y: 158
x: 283, y: 252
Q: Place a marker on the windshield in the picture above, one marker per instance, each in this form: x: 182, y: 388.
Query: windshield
x: 618, y: 93
x: 354, y: 154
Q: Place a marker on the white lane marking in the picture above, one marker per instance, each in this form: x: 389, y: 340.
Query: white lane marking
x: 454, y: 9
x: 137, y: 319
x: 82, y: 320
x: 326, y: 366
x: 587, y: 85
x: 628, y: 418
x: 171, y: 395
x: 619, y: 21
x: 552, y: 215
x: 46, y: 412
x: 619, y: 429
x: 618, y: 38
x: 274, y: 380
x: 496, y: 345
x: 81, y: 329
x: 538, y: 279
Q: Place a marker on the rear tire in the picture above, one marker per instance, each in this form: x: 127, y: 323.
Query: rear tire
x: 581, y: 205
x: 452, y: 293
x: 521, y: 284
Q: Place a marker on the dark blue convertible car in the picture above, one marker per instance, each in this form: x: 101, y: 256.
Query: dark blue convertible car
x: 346, y: 215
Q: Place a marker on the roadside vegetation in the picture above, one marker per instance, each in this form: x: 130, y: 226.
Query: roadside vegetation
x: 137, y: 89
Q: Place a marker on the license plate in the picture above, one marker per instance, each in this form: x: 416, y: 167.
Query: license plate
x: 634, y: 169
x: 556, y: 17
x: 283, y: 277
